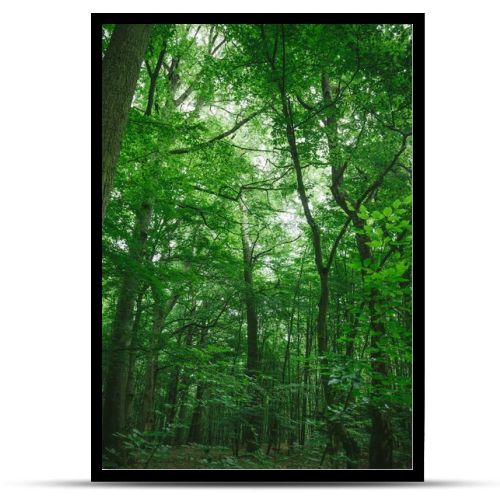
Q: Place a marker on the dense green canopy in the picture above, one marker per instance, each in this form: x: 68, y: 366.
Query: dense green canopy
x: 257, y: 240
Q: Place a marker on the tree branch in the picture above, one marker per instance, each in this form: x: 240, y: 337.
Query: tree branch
x: 304, y: 103
x: 336, y: 243
x: 260, y: 254
x: 393, y: 249
x: 378, y: 181
x: 237, y: 126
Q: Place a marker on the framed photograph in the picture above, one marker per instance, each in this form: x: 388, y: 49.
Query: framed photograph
x: 260, y: 279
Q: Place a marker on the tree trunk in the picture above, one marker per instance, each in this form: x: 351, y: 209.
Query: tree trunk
x: 129, y: 399
x: 182, y: 395
x: 323, y: 271
x: 120, y: 70
x: 195, y: 428
x: 153, y: 79
x: 250, y: 432
x: 322, y: 353
x: 116, y: 381
x: 147, y: 418
x: 381, y: 441
x: 160, y: 313
x: 180, y: 431
x: 303, y: 428
x: 194, y: 433
x: 172, y: 395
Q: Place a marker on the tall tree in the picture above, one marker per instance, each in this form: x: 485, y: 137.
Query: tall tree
x: 120, y: 71
x: 114, y: 408
x: 251, y: 430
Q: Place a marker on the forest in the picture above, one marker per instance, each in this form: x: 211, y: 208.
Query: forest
x: 257, y: 246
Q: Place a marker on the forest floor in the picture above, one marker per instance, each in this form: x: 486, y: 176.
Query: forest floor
x: 202, y: 457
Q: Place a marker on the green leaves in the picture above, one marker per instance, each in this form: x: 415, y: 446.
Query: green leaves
x: 363, y: 212
x: 193, y: 245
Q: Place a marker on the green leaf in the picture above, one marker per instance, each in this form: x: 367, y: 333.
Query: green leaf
x: 363, y: 212
x: 356, y: 265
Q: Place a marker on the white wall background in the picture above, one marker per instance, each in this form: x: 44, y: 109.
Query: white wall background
x: 45, y: 249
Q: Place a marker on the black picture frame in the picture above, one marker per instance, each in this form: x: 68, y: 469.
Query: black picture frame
x: 267, y: 476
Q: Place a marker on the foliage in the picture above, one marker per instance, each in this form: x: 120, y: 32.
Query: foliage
x: 212, y: 180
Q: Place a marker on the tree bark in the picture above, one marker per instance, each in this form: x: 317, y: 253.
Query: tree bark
x: 120, y: 70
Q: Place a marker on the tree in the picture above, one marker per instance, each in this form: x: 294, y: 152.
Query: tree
x: 114, y: 414
x: 120, y: 70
